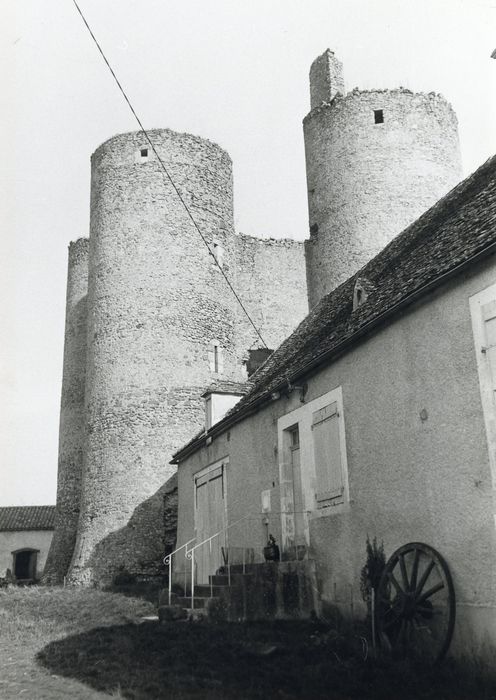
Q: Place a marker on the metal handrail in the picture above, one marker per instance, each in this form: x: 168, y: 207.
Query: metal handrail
x: 168, y: 562
x: 190, y: 554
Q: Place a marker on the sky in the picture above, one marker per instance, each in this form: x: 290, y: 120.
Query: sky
x: 233, y: 71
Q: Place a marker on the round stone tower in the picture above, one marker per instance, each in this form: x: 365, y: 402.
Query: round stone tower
x: 376, y: 160
x: 160, y: 328
x: 71, y: 432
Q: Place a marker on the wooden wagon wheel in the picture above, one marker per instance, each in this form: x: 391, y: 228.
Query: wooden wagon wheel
x: 415, y: 610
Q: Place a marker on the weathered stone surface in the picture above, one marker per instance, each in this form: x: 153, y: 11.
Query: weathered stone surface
x: 146, y: 303
x: 71, y: 435
x: 367, y: 181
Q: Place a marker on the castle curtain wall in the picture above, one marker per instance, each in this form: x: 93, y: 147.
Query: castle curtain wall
x: 146, y: 304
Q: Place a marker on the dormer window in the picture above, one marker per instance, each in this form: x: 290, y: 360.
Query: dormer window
x: 361, y: 292
x: 219, y: 398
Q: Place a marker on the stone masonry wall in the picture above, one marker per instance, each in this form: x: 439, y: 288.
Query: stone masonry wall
x: 71, y: 432
x: 326, y: 79
x: 156, y: 303
x: 367, y: 181
x: 272, y: 284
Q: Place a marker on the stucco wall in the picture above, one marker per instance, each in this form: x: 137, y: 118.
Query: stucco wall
x: 72, y: 418
x: 366, y: 181
x: 409, y: 479
x: 25, y: 539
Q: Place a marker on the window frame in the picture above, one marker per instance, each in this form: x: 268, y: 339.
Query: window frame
x: 476, y: 303
x: 302, y: 417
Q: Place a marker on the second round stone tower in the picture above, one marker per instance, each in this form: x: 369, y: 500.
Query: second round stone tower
x: 376, y: 160
x: 160, y: 325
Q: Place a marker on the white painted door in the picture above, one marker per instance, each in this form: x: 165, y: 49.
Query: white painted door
x: 209, y: 520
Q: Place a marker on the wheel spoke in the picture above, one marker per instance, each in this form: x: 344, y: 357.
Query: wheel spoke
x: 400, y: 634
x: 394, y: 581
x: 430, y: 592
x: 413, y: 580
x: 424, y: 577
x: 404, y: 575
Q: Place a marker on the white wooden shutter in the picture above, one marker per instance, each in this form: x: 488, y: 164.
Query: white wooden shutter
x: 327, y: 454
x: 489, y: 324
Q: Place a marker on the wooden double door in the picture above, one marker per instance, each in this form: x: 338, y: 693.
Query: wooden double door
x: 210, y: 519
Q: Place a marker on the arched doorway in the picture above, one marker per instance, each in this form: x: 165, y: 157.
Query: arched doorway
x: 24, y: 564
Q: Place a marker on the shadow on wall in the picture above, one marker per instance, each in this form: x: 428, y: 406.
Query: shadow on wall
x: 140, y: 546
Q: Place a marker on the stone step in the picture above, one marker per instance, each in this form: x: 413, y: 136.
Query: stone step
x: 204, y: 590
x: 219, y: 579
x: 186, y: 602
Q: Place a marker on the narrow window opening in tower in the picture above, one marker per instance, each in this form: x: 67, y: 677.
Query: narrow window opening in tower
x: 216, y: 359
x: 379, y: 116
x: 359, y: 297
x: 144, y: 152
x: 218, y: 252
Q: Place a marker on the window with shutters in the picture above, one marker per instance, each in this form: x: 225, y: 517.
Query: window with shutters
x: 313, y: 469
x: 327, y: 455
x: 483, y: 312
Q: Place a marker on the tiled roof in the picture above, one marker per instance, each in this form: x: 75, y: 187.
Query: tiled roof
x: 450, y: 235
x: 27, y: 518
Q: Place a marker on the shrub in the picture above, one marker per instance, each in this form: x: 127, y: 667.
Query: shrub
x: 371, y: 573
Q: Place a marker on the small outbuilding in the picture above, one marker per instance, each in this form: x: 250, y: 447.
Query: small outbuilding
x: 375, y: 418
x: 25, y: 536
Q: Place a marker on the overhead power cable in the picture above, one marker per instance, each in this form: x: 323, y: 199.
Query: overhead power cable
x: 168, y: 175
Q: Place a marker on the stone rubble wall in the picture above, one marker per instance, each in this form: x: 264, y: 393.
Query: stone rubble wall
x: 71, y: 430
x: 367, y: 181
x: 156, y: 302
x: 272, y: 285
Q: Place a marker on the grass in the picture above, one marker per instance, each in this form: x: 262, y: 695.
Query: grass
x: 94, y: 638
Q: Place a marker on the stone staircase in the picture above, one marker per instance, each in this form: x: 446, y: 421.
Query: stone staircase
x: 217, y: 588
x: 257, y: 591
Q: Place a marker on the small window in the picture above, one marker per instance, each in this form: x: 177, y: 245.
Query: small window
x: 378, y: 116
x: 142, y: 155
x: 294, y: 438
x: 218, y: 252
x: 216, y: 358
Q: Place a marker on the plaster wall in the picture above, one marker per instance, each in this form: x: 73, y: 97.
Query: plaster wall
x: 252, y: 469
x: 24, y: 539
x: 409, y: 479
x: 366, y: 181
x: 72, y: 418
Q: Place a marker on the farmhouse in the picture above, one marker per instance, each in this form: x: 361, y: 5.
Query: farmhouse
x: 376, y: 417
x: 25, y: 536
